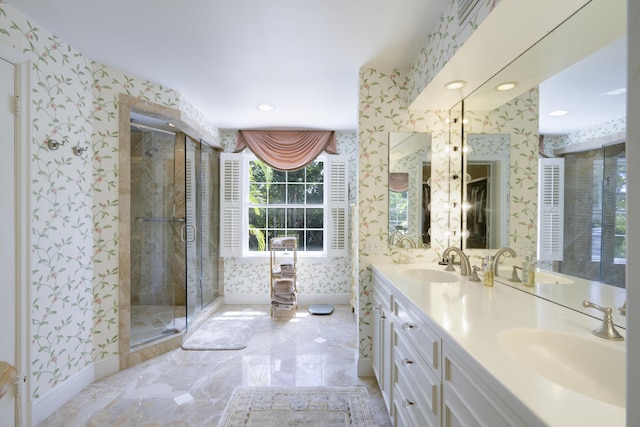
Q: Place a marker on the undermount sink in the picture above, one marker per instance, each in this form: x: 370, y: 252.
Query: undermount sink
x: 552, y: 279
x: 589, y: 367
x: 427, y: 275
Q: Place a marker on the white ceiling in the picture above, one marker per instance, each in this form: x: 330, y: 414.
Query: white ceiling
x: 226, y: 57
x: 593, y: 91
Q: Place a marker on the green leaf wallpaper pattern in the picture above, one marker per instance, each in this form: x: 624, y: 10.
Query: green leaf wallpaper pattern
x: 74, y: 199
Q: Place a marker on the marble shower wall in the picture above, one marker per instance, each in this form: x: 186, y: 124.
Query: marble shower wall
x: 157, y: 262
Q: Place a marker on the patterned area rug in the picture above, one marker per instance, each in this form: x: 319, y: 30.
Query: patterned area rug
x: 229, y: 330
x: 298, y: 406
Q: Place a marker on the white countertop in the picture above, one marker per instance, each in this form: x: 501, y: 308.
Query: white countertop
x: 472, y: 315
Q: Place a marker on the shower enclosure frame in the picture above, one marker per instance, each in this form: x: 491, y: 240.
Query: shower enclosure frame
x: 127, y: 105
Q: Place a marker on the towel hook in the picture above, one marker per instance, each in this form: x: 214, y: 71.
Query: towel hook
x: 53, y: 144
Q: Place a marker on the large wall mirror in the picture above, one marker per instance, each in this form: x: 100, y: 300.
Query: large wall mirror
x: 409, y: 189
x: 579, y: 68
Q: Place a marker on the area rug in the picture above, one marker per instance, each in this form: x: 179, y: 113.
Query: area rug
x: 298, y: 406
x: 229, y: 330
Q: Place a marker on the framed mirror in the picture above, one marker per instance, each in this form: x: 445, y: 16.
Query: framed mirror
x: 409, y: 189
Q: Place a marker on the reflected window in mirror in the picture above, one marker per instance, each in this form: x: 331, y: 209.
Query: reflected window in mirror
x: 398, y: 203
x: 409, y: 192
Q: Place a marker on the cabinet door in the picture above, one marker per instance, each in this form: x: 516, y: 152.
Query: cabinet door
x: 382, y: 346
x: 377, y: 341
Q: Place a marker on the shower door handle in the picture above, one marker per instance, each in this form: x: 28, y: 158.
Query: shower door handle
x: 184, y: 234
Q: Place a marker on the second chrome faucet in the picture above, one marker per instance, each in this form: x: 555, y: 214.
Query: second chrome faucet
x: 499, y: 253
x: 465, y: 266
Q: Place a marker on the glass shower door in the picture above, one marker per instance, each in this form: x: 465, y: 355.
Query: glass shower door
x: 156, y: 264
x: 200, y: 232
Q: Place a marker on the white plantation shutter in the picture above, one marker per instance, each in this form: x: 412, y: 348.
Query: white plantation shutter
x: 230, y: 204
x: 205, y: 197
x: 337, y: 229
x: 550, y: 209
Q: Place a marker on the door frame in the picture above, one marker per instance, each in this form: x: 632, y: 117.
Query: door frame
x: 22, y: 154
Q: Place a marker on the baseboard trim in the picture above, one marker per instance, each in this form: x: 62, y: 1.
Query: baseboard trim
x: 365, y: 367
x: 303, y: 299
x: 106, y: 367
x: 55, y: 398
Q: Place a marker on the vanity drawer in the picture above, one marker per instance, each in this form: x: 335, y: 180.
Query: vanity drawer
x: 416, y: 392
x: 410, y: 327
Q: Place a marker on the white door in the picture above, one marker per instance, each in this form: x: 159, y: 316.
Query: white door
x: 8, y: 236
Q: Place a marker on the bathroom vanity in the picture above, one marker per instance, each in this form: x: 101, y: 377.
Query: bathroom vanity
x: 450, y: 352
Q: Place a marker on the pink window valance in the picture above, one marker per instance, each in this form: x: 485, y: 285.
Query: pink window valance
x: 399, y: 182
x: 287, y: 150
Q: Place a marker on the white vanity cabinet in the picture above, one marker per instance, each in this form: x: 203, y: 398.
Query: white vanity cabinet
x: 416, y: 393
x: 430, y: 382
x: 382, y: 342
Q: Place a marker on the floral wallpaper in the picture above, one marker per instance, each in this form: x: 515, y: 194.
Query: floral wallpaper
x: 74, y: 199
x: 519, y: 119
x: 384, y: 102
x: 382, y: 110
x: 61, y: 204
x: 250, y: 277
x: 442, y: 44
x: 600, y: 130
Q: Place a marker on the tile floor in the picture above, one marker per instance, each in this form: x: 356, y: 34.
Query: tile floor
x: 308, y: 350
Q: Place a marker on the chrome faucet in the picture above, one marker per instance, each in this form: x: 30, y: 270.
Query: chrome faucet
x: 607, y: 330
x: 623, y: 309
x: 465, y: 266
x: 393, y: 237
x: 496, y: 258
x: 406, y: 238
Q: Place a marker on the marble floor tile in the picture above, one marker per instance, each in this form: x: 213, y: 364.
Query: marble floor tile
x: 308, y: 350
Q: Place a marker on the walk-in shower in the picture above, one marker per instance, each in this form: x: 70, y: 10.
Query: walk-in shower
x: 174, y: 230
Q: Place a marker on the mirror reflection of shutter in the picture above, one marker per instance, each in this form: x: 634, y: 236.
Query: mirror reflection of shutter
x: 230, y: 204
x: 338, y: 206
x: 550, y: 209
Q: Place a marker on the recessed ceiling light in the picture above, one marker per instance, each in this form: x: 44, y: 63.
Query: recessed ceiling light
x: 171, y: 124
x: 456, y: 84
x: 266, y: 107
x: 558, y: 113
x: 506, y: 86
x: 616, y: 92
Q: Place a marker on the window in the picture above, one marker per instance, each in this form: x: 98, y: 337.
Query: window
x: 286, y: 204
x: 259, y: 203
x: 398, y: 211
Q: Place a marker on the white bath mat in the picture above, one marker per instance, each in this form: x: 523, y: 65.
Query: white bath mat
x: 229, y: 330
